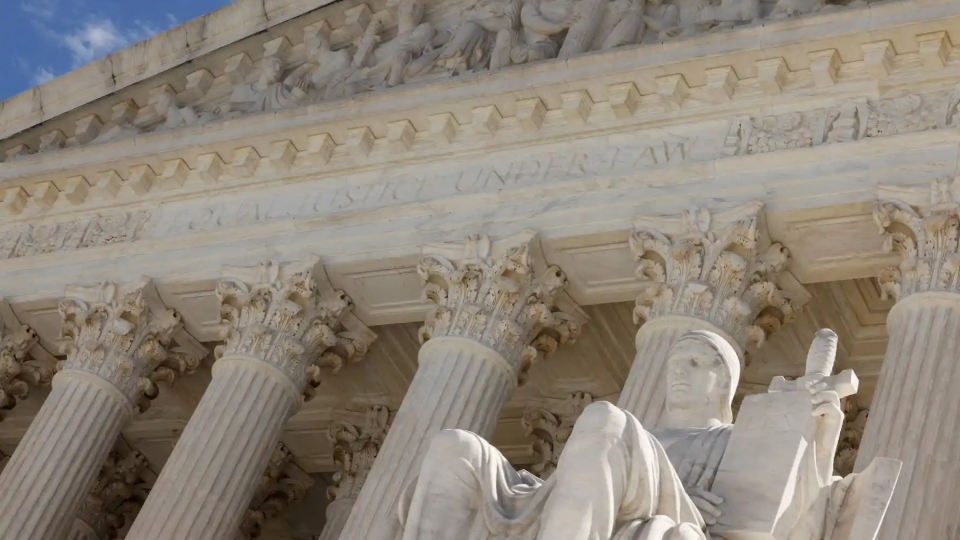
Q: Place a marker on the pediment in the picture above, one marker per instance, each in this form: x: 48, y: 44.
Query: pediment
x: 189, y: 75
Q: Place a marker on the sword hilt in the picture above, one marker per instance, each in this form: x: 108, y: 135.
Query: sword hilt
x: 822, y: 353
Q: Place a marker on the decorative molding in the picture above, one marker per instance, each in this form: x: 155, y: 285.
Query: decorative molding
x: 102, y: 230
x: 855, y: 120
x: 715, y: 267
x: 550, y: 425
x: 283, y: 485
x: 355, y: 448
x: 500, y: 294
x: 276, y: 313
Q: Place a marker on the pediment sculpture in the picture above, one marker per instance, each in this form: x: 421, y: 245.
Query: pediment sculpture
x: 400, y: 44
x: 696, y: 475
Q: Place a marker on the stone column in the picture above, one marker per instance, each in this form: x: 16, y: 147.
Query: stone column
x: 915, y: 408
x: 118, y: 492
x: 355, y: 447
x: 117, y: 337
x: 494, y: 310
x: 707, y: 272
x: 280, y: 330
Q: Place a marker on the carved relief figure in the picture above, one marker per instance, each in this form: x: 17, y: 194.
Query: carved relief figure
x: 796, y: 8
x: 485, y: 39
x: 269, y: 93
x: 543, y: 23
x: 616, y: 480
x: 623, y: 24
x: 391, y: 60
x: 175, y: 114
x: 685, y: 18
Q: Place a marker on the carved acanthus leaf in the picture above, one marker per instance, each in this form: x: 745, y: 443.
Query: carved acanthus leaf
x: 550, y: 425
x: 119, y: 492
x: 355, y: 447
x: 855, y: 421
x: 121, y: 334
x: 282, y: 485
x: 718, y: 273
x: 17, y: 373
x: 499, y: 300
x: 927, y: 238
x: 275, y: 313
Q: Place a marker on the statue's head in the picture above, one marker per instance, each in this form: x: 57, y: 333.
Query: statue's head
x: 702, y: 375
x: 272, y: 70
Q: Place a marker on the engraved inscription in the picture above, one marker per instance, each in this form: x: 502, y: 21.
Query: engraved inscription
x: 411, y: 185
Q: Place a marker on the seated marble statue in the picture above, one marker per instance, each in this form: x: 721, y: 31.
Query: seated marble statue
x: 614, y: 480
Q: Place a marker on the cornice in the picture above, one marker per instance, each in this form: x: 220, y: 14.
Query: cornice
x: 596, y: 94
x: 165, y: 51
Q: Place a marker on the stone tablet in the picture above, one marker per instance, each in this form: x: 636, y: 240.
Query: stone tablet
x: 758, y: 474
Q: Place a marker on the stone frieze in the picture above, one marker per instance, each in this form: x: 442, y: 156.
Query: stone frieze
x: 611, y: 157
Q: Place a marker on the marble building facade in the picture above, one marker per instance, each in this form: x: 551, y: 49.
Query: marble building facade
x: 251, y: 266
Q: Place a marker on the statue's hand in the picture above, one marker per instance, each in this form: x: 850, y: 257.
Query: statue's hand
x: 826, y: 404
x: 708, y: 504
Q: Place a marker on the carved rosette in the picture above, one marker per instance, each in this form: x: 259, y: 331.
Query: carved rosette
x: 17, y: 374
x: 118, y: 492
x: 854, y: 422
x: 551, y: 425
x: 498, y: 300
x: 354, y: 449
x: 280, y: 487
x: 927, y: 239
x: 713, y: 268
x: 122, y: 335
x: 275, y: 314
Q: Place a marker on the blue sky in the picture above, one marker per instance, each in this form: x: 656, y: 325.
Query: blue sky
x: 40, y: 39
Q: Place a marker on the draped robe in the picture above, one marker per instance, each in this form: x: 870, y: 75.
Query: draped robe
x: 614, y: 478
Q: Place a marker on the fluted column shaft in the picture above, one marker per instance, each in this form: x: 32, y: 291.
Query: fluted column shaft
x: 460, y: 384
x: 644, y: 394
x: 212, y: 475
x: 915, y: 416
x: 337, y: 513
x: 56, y: 463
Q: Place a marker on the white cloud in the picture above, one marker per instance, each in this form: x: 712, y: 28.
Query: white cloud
x: 40, y: 76
x: 43, y: 9
x: 172, y: 20
x: 94, y: 40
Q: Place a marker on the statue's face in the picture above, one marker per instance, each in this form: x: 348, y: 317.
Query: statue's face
x: 696, y: 376
x: 272, y: 70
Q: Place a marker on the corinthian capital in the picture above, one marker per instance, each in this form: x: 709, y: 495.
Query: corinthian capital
x: 122, y: 334
x: 922, y: 225
x: 278, y: 314
x: 550, y: 424
x: 282, y: 485
x: 501, y: 294
x: 16, y: 374
x: 119, y: 491
x: 355, y: 447
x: 714, y: 267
